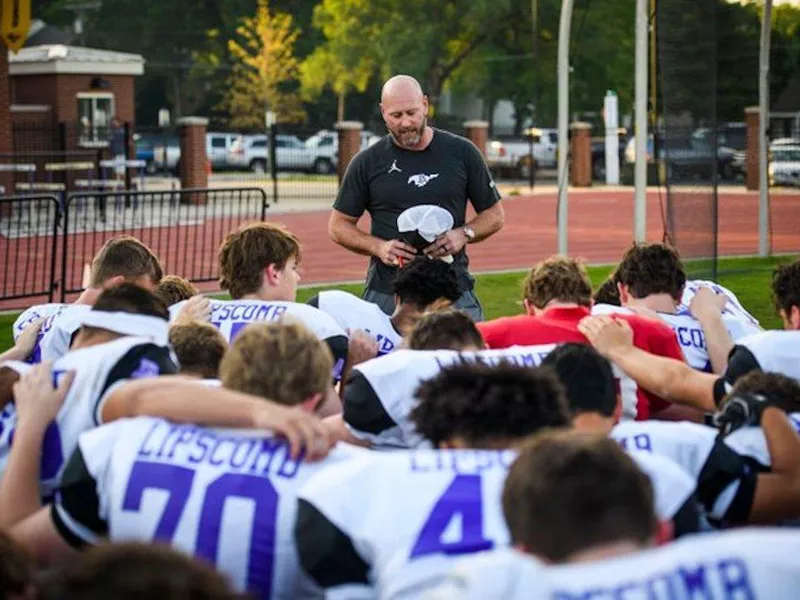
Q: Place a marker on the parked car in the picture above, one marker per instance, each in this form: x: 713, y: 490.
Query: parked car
x: 218, y: 147
x: 512, y: 156
x: 784, y: 165
x: 690, y: 156
x: 291, y: 154
x: 171, y: 155
x: 144, y: 145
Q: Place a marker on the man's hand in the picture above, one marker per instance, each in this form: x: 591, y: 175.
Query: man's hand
x: 607, y: 335
x: 36, y: 400
x: 302, y: 429
x: 740, y: 410
x: 361, y: 347
x: 706, y: 303
x: 391, y: 252
x: 27, y: 339
x: 197, y: 308
x: 449, y: 243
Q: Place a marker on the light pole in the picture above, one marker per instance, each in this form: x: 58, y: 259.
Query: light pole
x: 763, y: 138
x: 564, y: 27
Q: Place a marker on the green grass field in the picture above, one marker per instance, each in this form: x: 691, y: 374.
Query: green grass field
x: 500, y: 293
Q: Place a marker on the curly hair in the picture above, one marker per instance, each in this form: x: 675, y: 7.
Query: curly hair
x: 173, y: 289
x: 652, y: 269
x: 558, y: 278
x: 425, y: 280
x: 484, y: 404
x: 783, y: 392
x: 199, y: 348
x: 607, y: 293
x: 786, y: 286
x: 447, y: 329
x: 250, y: 249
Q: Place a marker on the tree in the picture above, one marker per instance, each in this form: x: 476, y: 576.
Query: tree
x: 429, y: 39
x: 321, y: 70
x: 265, y: 69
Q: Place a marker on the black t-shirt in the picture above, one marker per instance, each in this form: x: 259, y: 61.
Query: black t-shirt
x: 384, y: 180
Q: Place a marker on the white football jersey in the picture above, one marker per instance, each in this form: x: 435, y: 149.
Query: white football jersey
x: 59, y: 329
x: 750, y: 441
x: 733, y: 309
x: 688, y: 332
x: 673, y: 488
x: 351, y: 312
x: 747, y: 564
x: 391, y: 524
x: 38, y: 311
x: 379, y: 394
x: 98, y: 370
x: 30, y: 315
x: 231, y: 316
x: 228, y: 496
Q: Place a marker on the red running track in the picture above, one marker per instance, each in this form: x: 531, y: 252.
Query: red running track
x: 600, y: 227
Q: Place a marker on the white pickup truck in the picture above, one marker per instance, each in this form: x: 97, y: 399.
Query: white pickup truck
x: 513, y: 156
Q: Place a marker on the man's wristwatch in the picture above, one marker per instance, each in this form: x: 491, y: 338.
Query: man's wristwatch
x: 469, y: 232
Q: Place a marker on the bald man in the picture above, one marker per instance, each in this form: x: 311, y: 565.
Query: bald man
x: 415, y: 164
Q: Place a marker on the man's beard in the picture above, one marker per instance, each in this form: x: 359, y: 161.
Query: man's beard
x: 409, y: 137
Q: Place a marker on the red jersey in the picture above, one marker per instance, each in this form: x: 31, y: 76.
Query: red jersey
x: 559, y: 325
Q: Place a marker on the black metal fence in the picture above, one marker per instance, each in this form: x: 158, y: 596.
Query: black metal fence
x: 45, y: 241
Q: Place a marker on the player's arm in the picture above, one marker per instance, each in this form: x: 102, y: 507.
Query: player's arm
x: 341, y: 433
x: 777, y: 494
x: 706, y: 307
x: 186, y: 401
x: 361, y: 347
x: 668, y: 378
x: 37, y: 404
x: 54, y: 534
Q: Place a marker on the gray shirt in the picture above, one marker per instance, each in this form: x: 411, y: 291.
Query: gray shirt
x: 384, y: 180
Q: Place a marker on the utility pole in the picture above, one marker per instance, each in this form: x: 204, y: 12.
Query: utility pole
x: 535, y: 51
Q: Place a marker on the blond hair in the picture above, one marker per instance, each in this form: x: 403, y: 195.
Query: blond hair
x: 283, y: 362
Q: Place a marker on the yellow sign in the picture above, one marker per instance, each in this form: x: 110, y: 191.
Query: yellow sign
x: 15, y: 20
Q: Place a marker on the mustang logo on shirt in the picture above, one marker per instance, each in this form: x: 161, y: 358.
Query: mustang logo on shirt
x: 422, y: 179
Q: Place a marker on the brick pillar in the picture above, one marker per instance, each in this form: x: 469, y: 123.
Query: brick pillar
x: 752, y: 121
x: 193, y: 161
x: 6, y: 134
x: 478, y: 133
x: 581, y: 151
x: 349, y: 144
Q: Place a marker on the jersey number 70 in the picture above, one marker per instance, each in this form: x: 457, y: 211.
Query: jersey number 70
x: 177, y: 482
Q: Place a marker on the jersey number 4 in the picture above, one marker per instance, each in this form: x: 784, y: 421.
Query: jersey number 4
x: 177, y: 482
x: 462, y: 502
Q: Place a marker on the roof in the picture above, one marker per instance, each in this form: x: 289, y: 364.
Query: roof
x: 789, y: 100
x: 58, y: 58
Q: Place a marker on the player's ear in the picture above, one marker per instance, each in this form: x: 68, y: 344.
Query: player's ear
x: 624, y: 293
x: 271, y: 274
x: 665, y: 533
x: 312, y: 403
x: 794, y: 317
x: 530, y: 309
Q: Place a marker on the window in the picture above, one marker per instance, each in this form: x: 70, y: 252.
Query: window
x: 95, y: 111
x: 218, y: 142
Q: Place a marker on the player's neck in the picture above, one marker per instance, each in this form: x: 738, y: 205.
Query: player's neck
x: 606, y: 551
x: 88, y: 296
x: 662, y: 303
x: 261, y: 296
x: 589, y: 422
x: 403, y: 319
